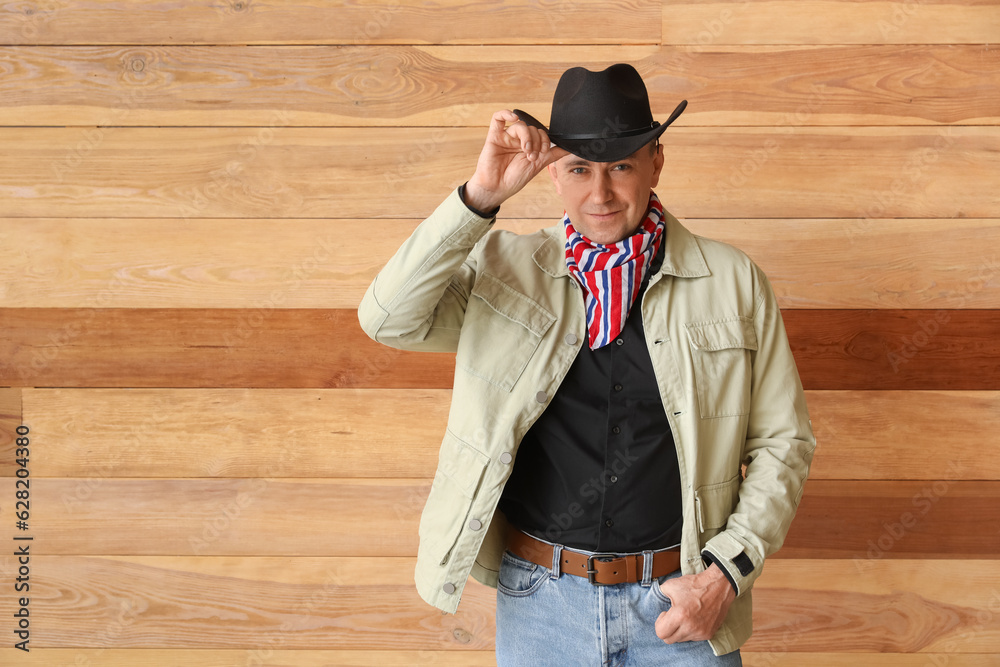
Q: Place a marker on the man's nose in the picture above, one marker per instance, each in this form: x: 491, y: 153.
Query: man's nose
x: 600, y: 188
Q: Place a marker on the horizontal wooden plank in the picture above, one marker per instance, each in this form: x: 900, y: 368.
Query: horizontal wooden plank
x: 303, y: 263
x: 870, y: 521
x: 917, y: 435
x: 386, y: 433
x: 392, y: 433
x: 268, y: 656
x: 273, y: 657
x: 710, y: 22
x: 402, y: 658
x: 277, y: 171
x: 785, y: 86
x: 896, y: 349
x: 267, y: 347
x: 865, y: 521
x: 260, y: 347
x: 394, y: 21
x: 354, y: 604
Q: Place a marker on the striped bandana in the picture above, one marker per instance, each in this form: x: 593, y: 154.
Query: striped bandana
x: 611, y: 275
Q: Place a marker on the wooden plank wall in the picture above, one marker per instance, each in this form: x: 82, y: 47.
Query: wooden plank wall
x: 225, y: 471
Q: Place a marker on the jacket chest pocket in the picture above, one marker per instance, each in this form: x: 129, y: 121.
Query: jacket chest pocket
x: 502, y: 329
x: 721, y: 353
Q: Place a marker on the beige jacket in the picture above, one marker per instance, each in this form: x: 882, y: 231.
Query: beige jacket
x: 507, y: 304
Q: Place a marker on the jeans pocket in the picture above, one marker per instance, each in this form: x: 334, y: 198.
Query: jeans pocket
x: 658, y: 594
x: 519, y: 577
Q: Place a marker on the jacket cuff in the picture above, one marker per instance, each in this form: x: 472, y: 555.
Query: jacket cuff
x: 710, y: 558
x: 481, y: 214
x: 738, y: 561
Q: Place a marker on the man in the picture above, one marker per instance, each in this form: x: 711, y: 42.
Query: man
x: 613, y: 374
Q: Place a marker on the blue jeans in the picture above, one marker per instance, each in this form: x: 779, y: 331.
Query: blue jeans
x: 546, y: 618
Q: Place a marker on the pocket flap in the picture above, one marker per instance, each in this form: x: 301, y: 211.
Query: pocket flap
x: 717, y: 501
x: 462, y: 463
x: 513, y: 305
x: 736, y: 332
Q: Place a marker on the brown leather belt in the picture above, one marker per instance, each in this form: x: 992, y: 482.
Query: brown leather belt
x: 599, y: 569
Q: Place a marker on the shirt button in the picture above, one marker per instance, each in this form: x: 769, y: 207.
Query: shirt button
x: 607, y: 523
x: 618, y: 387
x: 616, y: 430
x: 541, y: 397
x: 614, y: 478
x: 475, y: 524
x: 506, y: 458
x: 619, y: 342
x: 571, y: 339
x: 448, y: 588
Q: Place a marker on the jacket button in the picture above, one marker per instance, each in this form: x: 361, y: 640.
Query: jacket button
x: 475, y: 524
x: 448, y: 588
x: 506, y: 458
x: 541, y: 397
x: 571, y: 339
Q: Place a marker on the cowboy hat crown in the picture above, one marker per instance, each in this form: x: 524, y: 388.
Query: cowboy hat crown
x: 601, y: 116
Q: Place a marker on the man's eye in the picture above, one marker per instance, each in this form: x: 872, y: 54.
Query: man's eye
x: 576, y: 170
x: 621, y: 167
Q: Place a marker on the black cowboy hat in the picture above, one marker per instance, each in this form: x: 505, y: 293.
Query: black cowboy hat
x: 601, y: 116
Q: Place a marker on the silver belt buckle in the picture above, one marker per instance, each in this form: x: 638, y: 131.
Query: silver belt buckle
x: 591, y: 572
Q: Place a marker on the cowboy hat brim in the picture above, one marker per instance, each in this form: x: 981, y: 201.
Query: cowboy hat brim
x: 606, y: 146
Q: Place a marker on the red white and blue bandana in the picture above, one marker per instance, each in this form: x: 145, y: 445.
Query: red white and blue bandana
x: 611, y: 275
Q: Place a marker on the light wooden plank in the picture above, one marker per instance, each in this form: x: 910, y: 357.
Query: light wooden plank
x: 859, y: 520
x: 392, y: 21
x: 390, y: 433
x: 916, y: 435
x: 381, y: 433
x: 402, y: 658
x: 853, y: 659
x: 785, y: 86
x: 281, y: 171
x: 170, y: 602
x: 272, y: 657
x: 709, y: 22
x: 302, y: 263
x: 807, y: 608
x: 303, y: 348
x: 10, y: 420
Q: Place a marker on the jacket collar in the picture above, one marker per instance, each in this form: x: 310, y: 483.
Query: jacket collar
x: 682, y: 257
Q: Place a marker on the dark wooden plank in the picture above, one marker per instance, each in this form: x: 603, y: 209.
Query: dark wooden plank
x: 865, y: 521
x: 10, y: 419
x: 204, y: 348
x: 454, y: 86
x: 896, y: 349
x: 869, y: 521
x: 389, y: 21
x: 309, y: 348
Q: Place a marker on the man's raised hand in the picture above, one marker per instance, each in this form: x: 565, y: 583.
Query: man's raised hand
x: 512, y: 155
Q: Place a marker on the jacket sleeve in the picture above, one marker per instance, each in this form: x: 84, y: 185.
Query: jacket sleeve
x: 778, y: 452
x: 418, y: 300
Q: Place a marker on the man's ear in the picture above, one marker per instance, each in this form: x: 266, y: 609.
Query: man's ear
x: 554, y: 175
x: 657, y: 166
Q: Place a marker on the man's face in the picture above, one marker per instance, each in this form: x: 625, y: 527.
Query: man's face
x: 606, y: 201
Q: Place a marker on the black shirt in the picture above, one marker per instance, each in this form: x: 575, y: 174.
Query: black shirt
x: 598, y: 470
